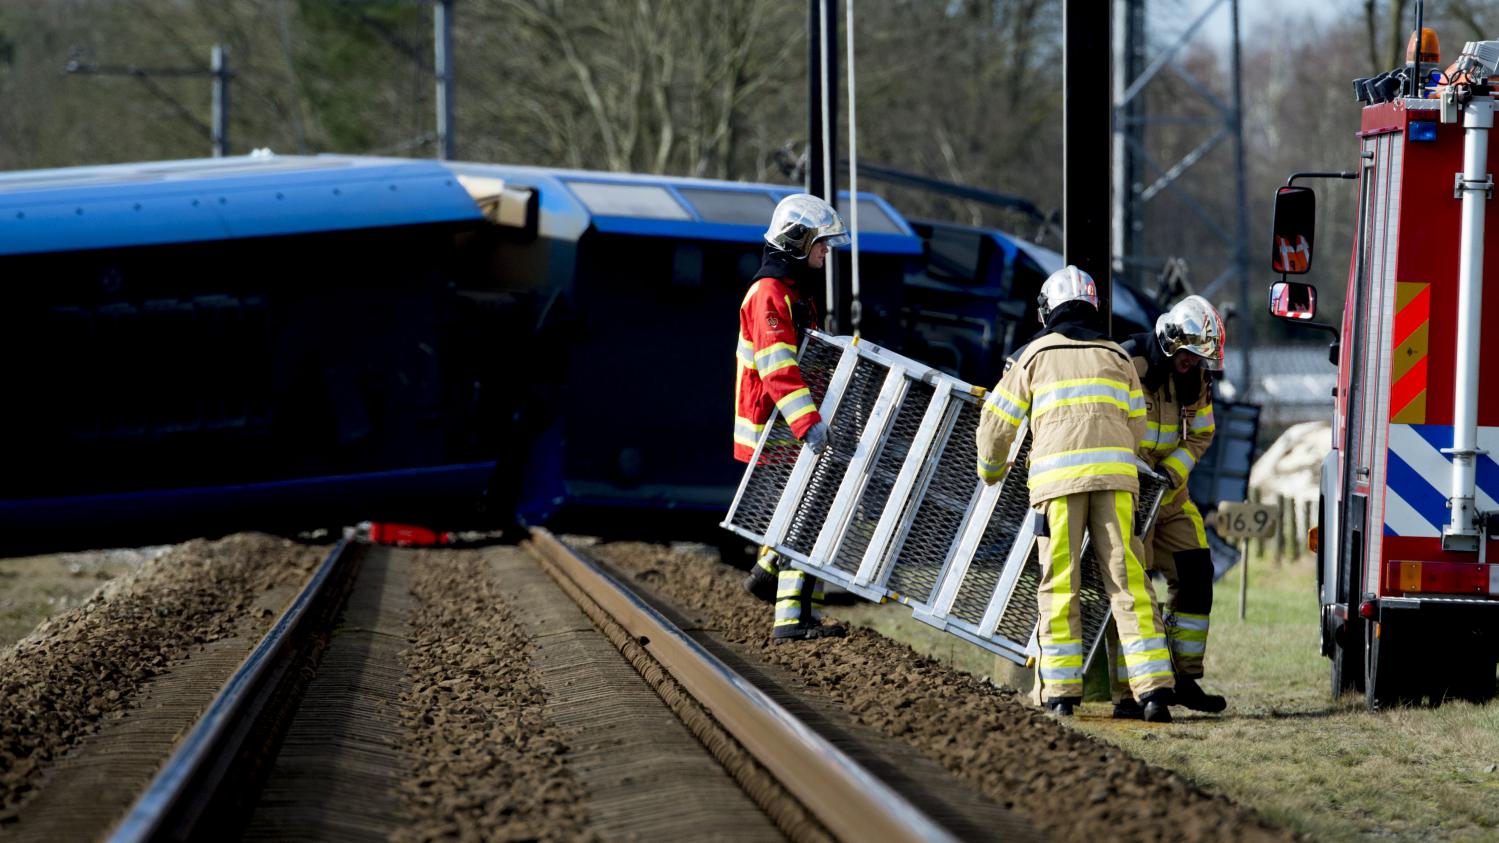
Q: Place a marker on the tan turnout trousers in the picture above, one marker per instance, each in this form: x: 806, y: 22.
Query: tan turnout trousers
x: 1108, y: 517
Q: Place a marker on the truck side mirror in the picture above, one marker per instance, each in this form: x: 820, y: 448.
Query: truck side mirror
x: 1294, y: 229
x: 1293, y: 300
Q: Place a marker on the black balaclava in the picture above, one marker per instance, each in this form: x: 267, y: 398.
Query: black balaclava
x: 1075, y: 320
x: 776, y: 263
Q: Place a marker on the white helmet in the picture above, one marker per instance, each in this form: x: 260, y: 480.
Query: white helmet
x: 1066, y: 284
x: 1193, y: 325
x: 800, y: 220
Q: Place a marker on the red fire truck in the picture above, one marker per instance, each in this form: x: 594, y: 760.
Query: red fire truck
x: 1409, y: 592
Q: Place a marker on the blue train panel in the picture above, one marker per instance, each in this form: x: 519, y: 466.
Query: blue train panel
x: 130, y: 205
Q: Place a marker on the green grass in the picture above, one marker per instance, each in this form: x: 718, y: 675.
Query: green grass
x: 1284, y: 748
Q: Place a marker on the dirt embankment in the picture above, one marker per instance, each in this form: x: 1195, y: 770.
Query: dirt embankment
x: 1069, y: 785
x: 490, y: 764
x: 86, y: 664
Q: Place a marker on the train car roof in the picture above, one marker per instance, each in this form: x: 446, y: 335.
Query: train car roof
x: 259, y: 195
x: 116, y: 205
x: 676, y: 206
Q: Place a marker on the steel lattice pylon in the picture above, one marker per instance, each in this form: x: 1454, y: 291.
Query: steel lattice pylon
x: 1139, y: 177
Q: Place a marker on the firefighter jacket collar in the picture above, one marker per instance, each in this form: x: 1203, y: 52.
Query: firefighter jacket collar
x: 778, y: 264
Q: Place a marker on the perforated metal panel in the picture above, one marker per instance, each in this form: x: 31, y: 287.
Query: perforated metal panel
x: 893, y: 508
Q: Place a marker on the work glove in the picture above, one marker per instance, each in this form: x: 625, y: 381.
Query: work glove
x: 816, y: 437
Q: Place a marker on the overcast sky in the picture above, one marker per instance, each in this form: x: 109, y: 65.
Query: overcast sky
x: 1170, y: 16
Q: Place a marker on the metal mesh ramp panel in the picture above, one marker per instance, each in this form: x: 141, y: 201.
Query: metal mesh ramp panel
x: 994, y: 548
x: 918, y: 558
x: 847, y: 425
x: 893, y: 508
x: 779, y: 448
x: 870, y: 508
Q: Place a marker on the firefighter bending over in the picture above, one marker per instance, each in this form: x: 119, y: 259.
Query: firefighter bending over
x: 1086, y: 413
x: 775, y: 313
x: 1173, y: 365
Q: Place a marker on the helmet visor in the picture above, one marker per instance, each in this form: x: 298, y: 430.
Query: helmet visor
x: 834, y: 240
x: 1204, y: 346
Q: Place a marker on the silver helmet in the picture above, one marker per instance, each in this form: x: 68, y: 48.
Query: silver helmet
x: 1066, y: 284
x: 801, y: 220
x: 1193, y: 325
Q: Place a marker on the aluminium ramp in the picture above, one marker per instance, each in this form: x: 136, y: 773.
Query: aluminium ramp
x: 893, y: 508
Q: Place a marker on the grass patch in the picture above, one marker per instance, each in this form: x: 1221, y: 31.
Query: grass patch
x: 1284, y: 748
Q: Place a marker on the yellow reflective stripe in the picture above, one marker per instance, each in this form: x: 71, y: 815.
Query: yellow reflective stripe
x: 1101, y: 469
x: 1164, y: 428
x: 768, y: 350
x: 746, y: 353
x: 1011, y: 397
x: 990, y: 470
x: 1061, y: 571
x: 1003, y: 416
x: 1005, y: 404
x: 797, y: 404
x: 777, y: 366
x: 1175, y: 462
x: 1054, y: 385
x: 1041, y: 409
x: 1124, y: 510
x: 1203, y: 421
x: 1196, y: 518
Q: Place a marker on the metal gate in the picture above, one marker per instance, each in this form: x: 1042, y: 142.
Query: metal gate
x: 893, y: 508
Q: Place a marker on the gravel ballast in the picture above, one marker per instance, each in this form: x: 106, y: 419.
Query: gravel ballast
x: 1069, y: 785
x: 89, y: 663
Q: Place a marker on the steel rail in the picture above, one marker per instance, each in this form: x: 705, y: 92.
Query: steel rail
x: 847, y: 799
x: 187, y: 790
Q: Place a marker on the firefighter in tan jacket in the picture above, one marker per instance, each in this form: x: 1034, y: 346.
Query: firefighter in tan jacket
x: 1087, y: 412
x: 1173, y: 365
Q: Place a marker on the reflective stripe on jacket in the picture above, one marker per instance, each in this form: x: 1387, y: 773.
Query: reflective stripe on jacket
x: 766, y: 375
x: 1086, y: 411
x: 1177, y: 432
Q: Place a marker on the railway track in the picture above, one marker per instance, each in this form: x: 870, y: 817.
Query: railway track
x: 662, y: 736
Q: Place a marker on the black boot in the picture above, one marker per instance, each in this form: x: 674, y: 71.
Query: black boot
x: 1157, y: 706
x: 1128, y: 709
x: 1061, y: 706
x: 810, y: 631
x: 1191, y: 695
x: 761, y: 583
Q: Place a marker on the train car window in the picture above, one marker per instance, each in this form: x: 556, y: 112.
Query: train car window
x: 629, y: 200
x: 872, y: 218
x: 731, y: 206
x: 956, y: 255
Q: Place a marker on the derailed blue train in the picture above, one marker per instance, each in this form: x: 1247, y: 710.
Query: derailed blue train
x: 291, y: 342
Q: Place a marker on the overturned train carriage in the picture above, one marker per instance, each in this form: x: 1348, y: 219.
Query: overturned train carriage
x: 292, y: 341
x: 893, y: 508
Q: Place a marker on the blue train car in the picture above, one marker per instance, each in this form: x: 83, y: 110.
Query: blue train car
x: 293, y: 341
x: 972, y: 299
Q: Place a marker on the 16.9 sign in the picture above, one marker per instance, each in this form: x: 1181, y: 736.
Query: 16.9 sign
x: 1247, y: 520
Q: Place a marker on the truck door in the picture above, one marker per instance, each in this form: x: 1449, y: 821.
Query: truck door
x: 1366, y: 361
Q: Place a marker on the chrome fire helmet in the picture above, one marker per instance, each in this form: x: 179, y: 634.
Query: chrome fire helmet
x: 1193, y: 325
x: 801, y: 220
x: 1066, y: 284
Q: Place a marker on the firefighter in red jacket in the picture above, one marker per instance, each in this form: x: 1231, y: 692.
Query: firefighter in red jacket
x: 776, y: 311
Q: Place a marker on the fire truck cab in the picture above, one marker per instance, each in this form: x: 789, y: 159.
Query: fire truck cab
x: 1408, y: 568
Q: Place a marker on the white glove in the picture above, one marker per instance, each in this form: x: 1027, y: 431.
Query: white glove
x: 816, y: 437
